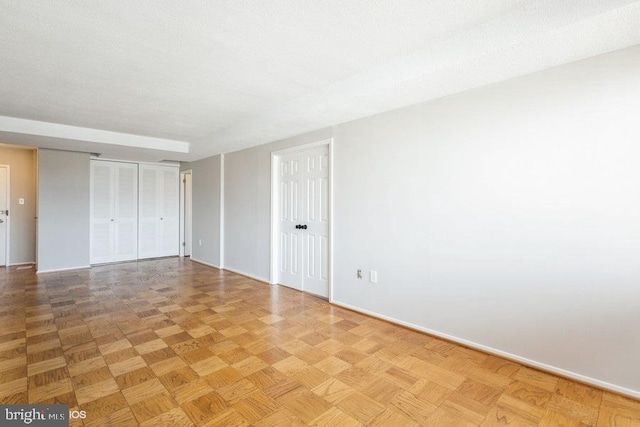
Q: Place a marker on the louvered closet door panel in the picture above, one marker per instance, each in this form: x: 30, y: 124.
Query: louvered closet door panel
x: 101, y: 238
x: 126, y: 211
x: 170, y: 211
x: 149, y: 212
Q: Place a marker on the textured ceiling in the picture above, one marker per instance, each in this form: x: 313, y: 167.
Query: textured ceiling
x: 163, y: 76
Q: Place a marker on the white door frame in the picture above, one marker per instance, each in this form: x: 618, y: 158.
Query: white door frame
x: 275, y: 181
x: 7, y: 240
x: 182, y: 212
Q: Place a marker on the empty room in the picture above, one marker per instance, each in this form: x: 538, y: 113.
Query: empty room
x: 327, y: 213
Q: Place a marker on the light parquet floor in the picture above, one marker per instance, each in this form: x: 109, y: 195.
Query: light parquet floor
x: 174, y: 343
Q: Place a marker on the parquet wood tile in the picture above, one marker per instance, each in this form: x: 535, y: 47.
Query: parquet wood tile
x: 13, y: 387
x: 412, y: 406
x: 332, y: 390
x: 152, y: 407
x: 170, y: 342
x: 499, y: 418
x: 120, y: 418
x: 87, y: 365
x: 205, y: 407
x: 360, y: 407
x: 106, y: 406
x: 392, y: 417
x: 255, y: 406
x: 174, y: 417
x: 96, y: 390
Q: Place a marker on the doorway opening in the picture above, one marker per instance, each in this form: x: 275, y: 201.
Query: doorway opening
x: 185, y: 213
x: 301, y: 218
x: 4, y: 215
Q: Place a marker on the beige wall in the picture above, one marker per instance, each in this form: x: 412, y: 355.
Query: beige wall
x: 22, y: 217
x: 205, y: 218
x: 63, y: 210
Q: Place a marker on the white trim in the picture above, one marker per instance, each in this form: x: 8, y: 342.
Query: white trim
x: 304, y: 147
x: 108, y: 159
x: 250, y: 276
x: 56, y: 270
x: 99, y: 136
x: 15, y: 264
x: 7, y: 242
x: 273, y: 256
x: 490, y: 350
x: 181, y: 194
x: 222, y: 210
x: 36, y: 179
x: 275, y: 202
x: 331, y: 252
x: 208, y: 264
x: 182, y: 212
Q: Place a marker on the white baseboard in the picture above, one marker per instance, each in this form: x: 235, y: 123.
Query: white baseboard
x: 205, y: 263
x: 242, y: 273
x: 513, y: 357
x: 250, y: 276
x: 57, y: 270
x: 14, y: 264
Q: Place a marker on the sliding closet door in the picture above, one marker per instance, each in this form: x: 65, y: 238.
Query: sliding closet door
x: 114, y: 211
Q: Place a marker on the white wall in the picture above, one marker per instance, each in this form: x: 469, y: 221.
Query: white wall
x: 507, y: 216
x: 205, y: 218
x: 23, y: 217
x: 63, y: 210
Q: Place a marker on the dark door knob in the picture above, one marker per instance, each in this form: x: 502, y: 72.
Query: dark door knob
x: 304, y: 227
x: 298, y: 226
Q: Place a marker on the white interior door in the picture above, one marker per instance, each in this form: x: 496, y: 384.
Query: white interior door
x: 4, y: 206
x: 303, y: 255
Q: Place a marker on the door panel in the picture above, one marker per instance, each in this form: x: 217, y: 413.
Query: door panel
x: 126, y: 211
x: 149, y: 213
x: 290, y: 215
x: 102, y: 213
x: 170, y: 212
x: 316, y: 266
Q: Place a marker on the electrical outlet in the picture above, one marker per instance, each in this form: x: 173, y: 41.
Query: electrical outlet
x: 373, y: 276
x: 359, y: 274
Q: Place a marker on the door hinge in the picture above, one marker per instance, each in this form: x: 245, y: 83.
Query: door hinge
x: 184, y: 243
